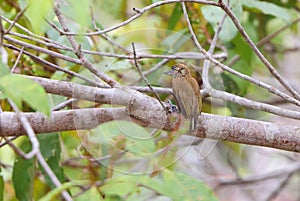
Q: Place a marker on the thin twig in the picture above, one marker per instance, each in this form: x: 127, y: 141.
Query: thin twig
x: 6, y: 141
x: 139, y: 13
x: 77, y: 51
x: 43, y: 50
x: 145, y: 79
x: 280, y: 187
x: 53, y: 66
x: 52, y: 176
x: 270, y: 67
x: 17, y: 60
x: 63, y: 104
x: 16, y: 149
x: 206, y: 64
x: 156, y: 67
x: 35, y: 149
x: 105, y: 37
x: 265, y: 40
x: 27, y: 127
x: 254, y: 104
x: 15, y: 20
x: 292, y: 168
x: 230, y: 70
x: 29, y: 32
x: 53, y: 44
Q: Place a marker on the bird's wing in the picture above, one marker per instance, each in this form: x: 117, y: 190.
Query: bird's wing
x: 197, y: 100
x: 183, y: 94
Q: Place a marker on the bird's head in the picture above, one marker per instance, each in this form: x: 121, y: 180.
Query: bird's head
x: 179, y: 70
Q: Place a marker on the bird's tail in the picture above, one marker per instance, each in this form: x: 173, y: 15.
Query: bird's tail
x: 193, y: 123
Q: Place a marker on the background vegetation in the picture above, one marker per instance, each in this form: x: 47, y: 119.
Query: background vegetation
x: 113, y: 140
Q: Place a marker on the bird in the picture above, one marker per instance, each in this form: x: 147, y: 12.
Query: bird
x: 186, y: 92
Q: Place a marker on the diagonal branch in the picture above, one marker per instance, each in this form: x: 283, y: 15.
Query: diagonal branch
x: 77, y: 50
x: 257, y: 51
x: 230, y: 70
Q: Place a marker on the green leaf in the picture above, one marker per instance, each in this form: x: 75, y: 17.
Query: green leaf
x: 37, y: 13
x: 242, y: 48
x: 231, y: 86
x: 175, y: 185
x: 23, y: 174
x: 53, y: 194
x: 19, y: 88
x: 108, y: 64
x: 175, y: 16
x: 51, y: 150
x: 120, y: 65
x: 246, y: 69
x: 4, y: 70
x: 94, y: 195
x: 80, y: 12
x: 268, y: 8
x: 137, y: 138
x: 186, y: 187
x: 1, y: 186
x: 174, y: 41
x: 214, y: 16
x: 120, y: 187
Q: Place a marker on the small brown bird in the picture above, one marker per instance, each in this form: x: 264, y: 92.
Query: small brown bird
x: 186, y: 93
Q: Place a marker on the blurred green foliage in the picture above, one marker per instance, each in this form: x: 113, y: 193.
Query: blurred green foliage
x: 133, y: 162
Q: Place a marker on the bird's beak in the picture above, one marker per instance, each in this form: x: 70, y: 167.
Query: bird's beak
x: 169, y: 72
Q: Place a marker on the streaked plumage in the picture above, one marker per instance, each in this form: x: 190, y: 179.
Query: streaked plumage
x: 186, y: 92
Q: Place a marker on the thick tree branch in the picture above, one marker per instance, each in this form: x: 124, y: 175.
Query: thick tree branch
x: 209, y: 126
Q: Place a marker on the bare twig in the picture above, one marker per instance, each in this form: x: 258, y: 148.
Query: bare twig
x: 27, y: 127
x: 17, y: 60
x: 253, y: 104
x: 104, y: 36
x: 43, y: 50
x: 6, y: 141
x: 53, y: 66
x: 280, y: 187
x: 167, y: 58
x: 230, y: 70
x: 139, y: 12
x: 63, y: 104
x: 15, y: 20
x: 257, y: 51
x: 52, y: 176
x: 206, y: 64
x: 265, y: 40
x: 16, y: 149
x: 34, y: 36
x: 77, y: 50
x: 35, y: 149
x: 292, y: 168
x: 145, y: 79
